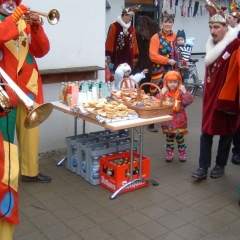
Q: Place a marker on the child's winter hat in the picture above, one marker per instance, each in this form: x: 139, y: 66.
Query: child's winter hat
x: 181, y: 34
x: 172, y: 76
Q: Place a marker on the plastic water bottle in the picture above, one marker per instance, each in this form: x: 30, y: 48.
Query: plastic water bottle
x: 74, y: 156
x: 84, y: 166
x: 95, y: 167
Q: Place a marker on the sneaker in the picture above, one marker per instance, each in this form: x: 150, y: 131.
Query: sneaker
x: 200, y: 173
x: 217, y: 172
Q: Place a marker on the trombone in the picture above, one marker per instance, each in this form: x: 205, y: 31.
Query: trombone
x: 52, y: 16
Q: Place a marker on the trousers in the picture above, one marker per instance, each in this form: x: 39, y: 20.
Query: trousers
x: 28, y: 141
x: 6, y: 230
x: 236, y: 141
x: 224, y: 146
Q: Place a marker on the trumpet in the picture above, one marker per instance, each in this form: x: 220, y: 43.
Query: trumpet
x: 52, y: 16
x: 36, y: 114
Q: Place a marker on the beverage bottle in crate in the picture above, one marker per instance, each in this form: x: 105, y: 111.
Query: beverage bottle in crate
x: 74, y: 156
x: 95, y: 167
x: 127, y: 174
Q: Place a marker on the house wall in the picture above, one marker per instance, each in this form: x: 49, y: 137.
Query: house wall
x: 113, y: 12
x: 76, y: 41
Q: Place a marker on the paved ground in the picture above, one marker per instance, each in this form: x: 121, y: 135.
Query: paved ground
x: 179, y: 208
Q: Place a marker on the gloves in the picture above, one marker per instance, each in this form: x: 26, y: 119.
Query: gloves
x: 35, y: 27
x: 18, y: 12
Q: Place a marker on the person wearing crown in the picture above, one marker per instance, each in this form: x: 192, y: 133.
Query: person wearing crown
x: 121, y: 42
x: 233, y: 20
x: 220, y: 114
x: 233, y: 17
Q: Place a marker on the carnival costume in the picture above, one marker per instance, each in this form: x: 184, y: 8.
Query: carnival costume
x: 9, y: 172
x: 162, y: 48
x: 177, y: 127
x: 221, y: 95
x: 121, y: 42
x: 19, y: 44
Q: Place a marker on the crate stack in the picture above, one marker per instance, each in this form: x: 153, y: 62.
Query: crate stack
x: 85, y: 150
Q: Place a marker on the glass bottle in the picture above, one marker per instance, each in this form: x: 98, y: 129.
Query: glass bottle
x: 61, y: 92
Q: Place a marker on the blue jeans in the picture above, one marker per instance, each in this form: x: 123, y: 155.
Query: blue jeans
x: 224, y: 146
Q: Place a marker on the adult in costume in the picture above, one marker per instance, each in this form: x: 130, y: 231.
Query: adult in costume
x: 221, y: 96
x: 233, y: 20
x: 121, y: 42
x: 162, y: 53
x: 9, y: 171
x: 20, y: 43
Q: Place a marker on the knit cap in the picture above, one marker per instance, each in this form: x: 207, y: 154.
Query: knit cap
x: 181, y: 33
x: 172, y: 76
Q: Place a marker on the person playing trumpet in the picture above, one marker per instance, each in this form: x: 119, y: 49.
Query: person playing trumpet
x: 21, y: 41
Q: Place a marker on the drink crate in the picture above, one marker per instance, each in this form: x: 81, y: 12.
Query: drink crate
x: 114, y: 174
x: 93, y: 162
x: 70, y: 142
x: 81, y: 156
x: 96, y: 134
x: 124, y: 144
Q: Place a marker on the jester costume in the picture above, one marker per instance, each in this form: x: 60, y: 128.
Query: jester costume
x: 121, y: 43
x: 9, y: 171
x: 19, y: 44
x: 162, y: 48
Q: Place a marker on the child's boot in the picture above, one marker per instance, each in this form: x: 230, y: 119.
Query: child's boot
x: 182, y: 154
x: 170, y: 153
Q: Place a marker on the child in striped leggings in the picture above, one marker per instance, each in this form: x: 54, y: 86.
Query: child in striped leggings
x: 175, y: 92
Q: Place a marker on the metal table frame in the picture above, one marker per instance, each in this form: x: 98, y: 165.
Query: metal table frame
x: 130, y: 124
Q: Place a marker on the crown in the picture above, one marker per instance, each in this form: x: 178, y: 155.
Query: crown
x: 131, y: 10
x: 234, y: 9
x: 216, y: 13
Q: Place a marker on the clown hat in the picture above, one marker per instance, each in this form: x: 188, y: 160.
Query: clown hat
x: 234, y: 9
x: 216, y: 13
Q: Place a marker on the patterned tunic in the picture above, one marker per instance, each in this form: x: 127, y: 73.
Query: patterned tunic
x: 121, y: 45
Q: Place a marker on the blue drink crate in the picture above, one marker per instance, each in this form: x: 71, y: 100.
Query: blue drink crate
x: 70, y: 164
x: 93, y: 165
x: 81, y: 156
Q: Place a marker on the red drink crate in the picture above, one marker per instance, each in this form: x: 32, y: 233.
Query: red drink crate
x: 115, y: 171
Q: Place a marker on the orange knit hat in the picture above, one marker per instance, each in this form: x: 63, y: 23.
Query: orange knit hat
x: 17, y: 1
x: 172, y: 76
